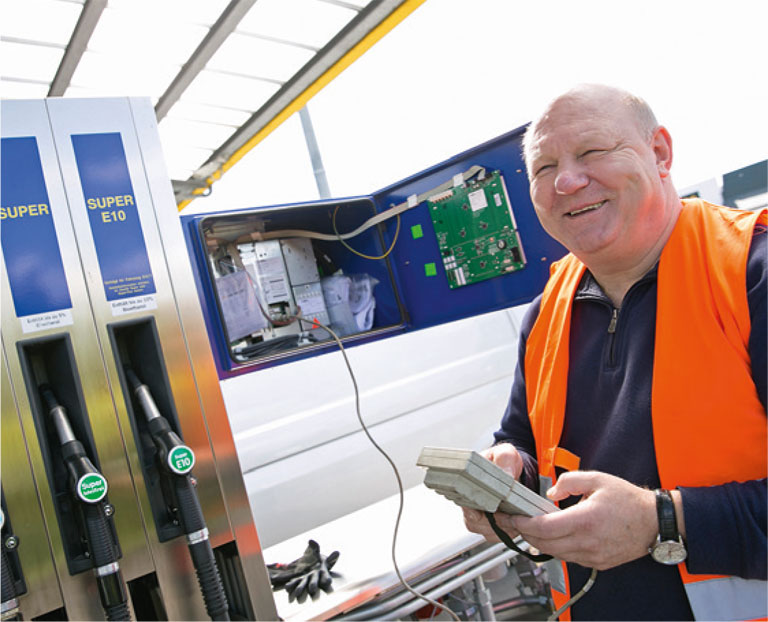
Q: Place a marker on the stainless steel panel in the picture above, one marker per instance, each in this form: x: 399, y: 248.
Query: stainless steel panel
x: 203, y: 369
x: 175, y: 573
x: 29, y: 118
x: 185, y: 349
x: 175, y: 312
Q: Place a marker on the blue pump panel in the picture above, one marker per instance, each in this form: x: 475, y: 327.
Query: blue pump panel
x: 251, y: 287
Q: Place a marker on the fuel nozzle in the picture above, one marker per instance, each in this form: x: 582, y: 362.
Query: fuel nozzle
x: 90, y: 487
x: 177, y: 460
x: 89, y: 484
x: 174, y: 454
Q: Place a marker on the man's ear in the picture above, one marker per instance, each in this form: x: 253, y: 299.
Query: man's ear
x: 661, y: 143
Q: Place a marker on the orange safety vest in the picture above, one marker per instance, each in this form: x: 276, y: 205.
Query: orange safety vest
x: 701, y: 375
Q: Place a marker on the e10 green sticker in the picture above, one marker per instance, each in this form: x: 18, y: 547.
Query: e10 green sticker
x: 181, y: 459
x: 92, y: 487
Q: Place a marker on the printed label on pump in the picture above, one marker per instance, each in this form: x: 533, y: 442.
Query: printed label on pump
x: 92, y: 487
x: 181, y: 459
x: 30, y: 246
x: 114, y: 218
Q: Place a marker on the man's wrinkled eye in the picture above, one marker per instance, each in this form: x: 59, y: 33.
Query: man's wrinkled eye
x: 592, y: 152
x: 543, y: 168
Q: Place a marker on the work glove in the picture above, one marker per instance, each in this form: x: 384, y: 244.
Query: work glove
x: 305, y: 575
x: 320, y: 577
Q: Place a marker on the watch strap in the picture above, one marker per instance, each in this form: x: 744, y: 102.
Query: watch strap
x: 665, y: 508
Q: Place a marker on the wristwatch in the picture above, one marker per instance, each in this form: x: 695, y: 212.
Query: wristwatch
x: 669, y: 548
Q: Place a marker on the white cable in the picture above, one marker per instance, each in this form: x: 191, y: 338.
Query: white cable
x: 401, y: 492
x: 371, y: 222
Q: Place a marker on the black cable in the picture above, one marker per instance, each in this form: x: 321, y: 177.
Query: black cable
x: 268, y: 346
x: 505, y: 538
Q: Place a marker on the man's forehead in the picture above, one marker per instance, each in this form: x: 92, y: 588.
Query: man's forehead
x: 577, y: 121
x: 577, y: 132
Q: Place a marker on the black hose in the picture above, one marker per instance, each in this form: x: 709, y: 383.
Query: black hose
x: 112, y: 593
x: 131, y: 377
x: 210, y: 582
x: 119, y: 611
x: 9, y: 595
x: 193, y: 523
x: 8, y: 587
x: 47, y: 394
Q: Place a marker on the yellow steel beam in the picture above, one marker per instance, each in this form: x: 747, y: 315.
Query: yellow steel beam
x: 386, y: 25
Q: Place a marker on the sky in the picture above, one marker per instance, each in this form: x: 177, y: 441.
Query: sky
x: 456, y: 73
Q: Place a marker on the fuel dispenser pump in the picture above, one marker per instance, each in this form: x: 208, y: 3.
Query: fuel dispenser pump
x: 176, y: 460
x: 13, y: 584
x: 78, y: 286
x: 89, y: 490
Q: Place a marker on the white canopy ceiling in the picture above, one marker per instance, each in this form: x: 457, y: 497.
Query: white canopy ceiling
x: 217, y: 71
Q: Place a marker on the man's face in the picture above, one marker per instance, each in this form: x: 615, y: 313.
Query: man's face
x: 595, y: 180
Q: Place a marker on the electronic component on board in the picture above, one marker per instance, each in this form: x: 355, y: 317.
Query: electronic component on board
x: 476, y: 230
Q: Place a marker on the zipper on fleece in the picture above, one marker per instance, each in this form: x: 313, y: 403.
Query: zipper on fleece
x: 612, y: 333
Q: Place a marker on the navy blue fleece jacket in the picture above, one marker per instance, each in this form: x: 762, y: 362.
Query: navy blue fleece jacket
x: 608, y: 424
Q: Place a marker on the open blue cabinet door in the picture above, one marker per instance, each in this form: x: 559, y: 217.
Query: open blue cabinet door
x: 419, y: 261
x: 465, y: 241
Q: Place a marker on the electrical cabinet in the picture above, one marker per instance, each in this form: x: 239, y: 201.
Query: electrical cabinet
x: 456, y: 240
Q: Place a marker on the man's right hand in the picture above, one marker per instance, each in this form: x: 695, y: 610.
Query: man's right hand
x: 507, y: 457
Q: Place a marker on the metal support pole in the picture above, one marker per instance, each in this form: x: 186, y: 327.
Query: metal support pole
x: 314, y: 154
x: 483, y: 599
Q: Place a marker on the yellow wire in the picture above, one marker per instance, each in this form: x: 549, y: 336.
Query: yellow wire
x: 338, y: 235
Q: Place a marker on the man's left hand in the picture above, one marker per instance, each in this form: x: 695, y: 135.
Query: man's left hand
x: 615, y: 521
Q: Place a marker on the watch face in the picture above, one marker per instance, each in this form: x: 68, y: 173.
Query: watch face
x: 669, y: 552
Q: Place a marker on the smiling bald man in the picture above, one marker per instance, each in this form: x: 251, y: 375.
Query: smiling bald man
x: 639, y: 400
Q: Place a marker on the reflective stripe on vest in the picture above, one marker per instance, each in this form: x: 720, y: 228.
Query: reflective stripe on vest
x: 701, y: 290
x: 727, y: 598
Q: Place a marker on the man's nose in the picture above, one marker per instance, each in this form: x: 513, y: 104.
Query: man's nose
x: 569, y: 179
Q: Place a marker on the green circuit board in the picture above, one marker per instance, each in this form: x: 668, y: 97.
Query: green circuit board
x: 476, y: 231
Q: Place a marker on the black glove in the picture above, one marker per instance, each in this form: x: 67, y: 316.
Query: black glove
x: 304, y: 575
x: 318, y: 577
x: 280, y: 574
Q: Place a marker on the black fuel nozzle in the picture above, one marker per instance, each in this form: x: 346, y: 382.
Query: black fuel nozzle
x: 177, y: 461
x: 175, y: 456
x: 89, y: 487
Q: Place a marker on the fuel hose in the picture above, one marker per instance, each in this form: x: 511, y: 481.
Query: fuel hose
x: 89, y: 488
x: 9, y: 608
x: 177, y: 461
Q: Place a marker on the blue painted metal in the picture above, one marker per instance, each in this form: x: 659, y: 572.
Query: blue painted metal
x: 429, y: 300
x: 407, y: 298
